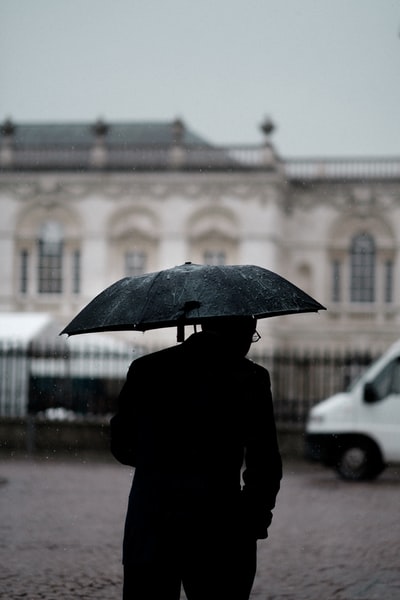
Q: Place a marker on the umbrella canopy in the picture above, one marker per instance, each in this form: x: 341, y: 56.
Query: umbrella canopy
x: 190, y: 294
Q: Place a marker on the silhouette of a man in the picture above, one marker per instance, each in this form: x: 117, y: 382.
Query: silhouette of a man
x: 196, y: 421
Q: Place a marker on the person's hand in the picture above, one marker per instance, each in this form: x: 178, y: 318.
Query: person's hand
x: 254, y: 520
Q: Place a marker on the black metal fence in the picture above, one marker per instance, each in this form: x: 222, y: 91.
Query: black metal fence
x: 42, y: 379
x: 301, y: 379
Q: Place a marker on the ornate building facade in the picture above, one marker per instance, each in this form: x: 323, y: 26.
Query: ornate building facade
x: 85, y: 204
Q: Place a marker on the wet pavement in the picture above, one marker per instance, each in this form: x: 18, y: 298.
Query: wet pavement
x: 62, y: 520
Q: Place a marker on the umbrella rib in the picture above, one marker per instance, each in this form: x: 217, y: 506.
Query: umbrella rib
x: 144, y: 308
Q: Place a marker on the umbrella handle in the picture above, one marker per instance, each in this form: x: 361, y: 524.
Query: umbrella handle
x: 187, y: 307
x: 180, y: 336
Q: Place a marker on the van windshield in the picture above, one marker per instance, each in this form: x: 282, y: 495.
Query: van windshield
x: 386, y: 381
x: 353, y: 383
x: 356, y: 373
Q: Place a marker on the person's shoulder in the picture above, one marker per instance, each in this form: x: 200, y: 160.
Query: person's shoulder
x: 254, y: 368
x: 251, y: 364
x: 146, y: 360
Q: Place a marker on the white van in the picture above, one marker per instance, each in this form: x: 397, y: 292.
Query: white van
x: 357, y: 432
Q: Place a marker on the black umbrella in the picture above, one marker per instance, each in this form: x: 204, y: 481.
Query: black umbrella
x: 189, y: 294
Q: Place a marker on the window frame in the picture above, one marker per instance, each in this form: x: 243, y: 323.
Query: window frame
x: 362, y: 257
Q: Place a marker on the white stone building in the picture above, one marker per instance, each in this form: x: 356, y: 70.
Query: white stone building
x: 83, y: 205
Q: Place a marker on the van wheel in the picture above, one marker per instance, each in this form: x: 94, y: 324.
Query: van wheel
x: 359, y: 460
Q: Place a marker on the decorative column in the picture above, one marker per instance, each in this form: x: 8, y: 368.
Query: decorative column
x: 98, y: 154
x: 269, y: 156
x: 177, y: 152
x: 6, y: 148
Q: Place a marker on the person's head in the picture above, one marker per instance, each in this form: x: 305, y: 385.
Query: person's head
x: 236, y: 332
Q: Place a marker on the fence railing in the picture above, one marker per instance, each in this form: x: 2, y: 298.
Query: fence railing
x: 204, y: 158
x: 81, y: 381
x: 86, y: 382
x: 301, y: 379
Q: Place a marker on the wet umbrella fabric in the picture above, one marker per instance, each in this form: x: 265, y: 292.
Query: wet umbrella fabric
x: 190, y: 294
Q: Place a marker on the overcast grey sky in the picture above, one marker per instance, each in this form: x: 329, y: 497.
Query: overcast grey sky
x: 326, y: 71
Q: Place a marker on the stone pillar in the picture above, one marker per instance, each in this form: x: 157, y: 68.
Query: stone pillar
x: 172, y: 243
x: 95, y: 267
x: 269, y: 157
x: 172, y: 250
x: 98, y: 153
x: 261, y: 227
x: 6, y: 148
x: 177, y: 152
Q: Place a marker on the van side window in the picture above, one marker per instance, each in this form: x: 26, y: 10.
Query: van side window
x: 395, y: 389
x: 388, y: 380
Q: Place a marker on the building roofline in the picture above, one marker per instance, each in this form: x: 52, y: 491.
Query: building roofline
x: 165, y: 145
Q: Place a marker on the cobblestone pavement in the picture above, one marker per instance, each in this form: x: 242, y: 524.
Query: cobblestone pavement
x: 61, y: 530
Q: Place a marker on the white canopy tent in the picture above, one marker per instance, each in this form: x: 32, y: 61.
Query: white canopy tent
x: 30, y: 345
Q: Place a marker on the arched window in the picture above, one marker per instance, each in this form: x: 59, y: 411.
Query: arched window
x: 50, y: 258
x: 134, y: 238
x: 362, y: 268
x: 47, y: 257
x: 213, y: 236
x: 363, y: 264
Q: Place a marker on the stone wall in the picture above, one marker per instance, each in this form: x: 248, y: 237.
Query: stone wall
x: 35, y: 436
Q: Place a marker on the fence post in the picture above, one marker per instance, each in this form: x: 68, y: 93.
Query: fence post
x: 30, y: 439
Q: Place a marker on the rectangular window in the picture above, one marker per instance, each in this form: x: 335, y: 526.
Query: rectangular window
x: 362, y: 288
x: 389, y: 281
x: 24, y: 270
x: 362, y: 284
x: 50, y: 268
x: 76, y: 272
x: 214, y: 257
x: 336, y: 281
x: 135, y: 263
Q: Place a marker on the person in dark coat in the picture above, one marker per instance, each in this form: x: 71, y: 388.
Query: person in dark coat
x: 196, y: 422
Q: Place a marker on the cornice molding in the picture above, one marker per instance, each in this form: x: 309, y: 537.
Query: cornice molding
x: 360, y: 199
x: 144, y: 186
